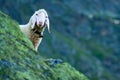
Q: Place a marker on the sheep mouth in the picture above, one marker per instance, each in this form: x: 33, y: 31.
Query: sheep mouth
x: 38, y: 28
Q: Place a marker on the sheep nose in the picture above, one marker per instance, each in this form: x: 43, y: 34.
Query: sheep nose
x: 40, y: 23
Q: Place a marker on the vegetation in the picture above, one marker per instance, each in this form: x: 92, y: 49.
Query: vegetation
x: 19, y: 61
x: 85, y: 33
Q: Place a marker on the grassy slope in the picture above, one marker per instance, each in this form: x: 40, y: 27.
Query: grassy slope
x: 19, y: 61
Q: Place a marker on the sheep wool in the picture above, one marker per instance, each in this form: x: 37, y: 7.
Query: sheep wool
x: 35, y: 27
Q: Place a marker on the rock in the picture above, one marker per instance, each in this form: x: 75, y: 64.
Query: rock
x: 19, y: 61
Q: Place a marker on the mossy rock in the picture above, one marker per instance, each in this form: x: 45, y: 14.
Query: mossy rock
x: 19, y: 61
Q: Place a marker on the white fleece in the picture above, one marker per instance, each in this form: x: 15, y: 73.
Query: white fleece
x: 39, y: 19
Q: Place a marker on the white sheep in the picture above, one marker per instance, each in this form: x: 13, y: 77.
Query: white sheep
x: 35, y: 27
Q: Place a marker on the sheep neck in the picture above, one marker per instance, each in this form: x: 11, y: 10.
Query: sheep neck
x: 36, y: 35
x: 37, y: 32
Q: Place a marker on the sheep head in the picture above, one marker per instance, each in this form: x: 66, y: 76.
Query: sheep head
x: 40, y: 18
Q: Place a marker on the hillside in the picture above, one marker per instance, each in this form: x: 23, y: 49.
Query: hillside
x: 85, y: 33
x: 19, y: 61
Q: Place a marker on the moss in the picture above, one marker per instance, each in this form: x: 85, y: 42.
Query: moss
x: 19, y: 61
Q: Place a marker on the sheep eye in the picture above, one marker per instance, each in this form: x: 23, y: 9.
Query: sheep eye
x: 36, y: 14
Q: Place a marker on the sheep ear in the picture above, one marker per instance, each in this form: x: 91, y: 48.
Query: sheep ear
x: 33, y: 21
x: 47, y: 24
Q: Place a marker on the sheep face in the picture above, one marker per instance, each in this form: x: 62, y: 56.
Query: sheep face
x: 40, y: 18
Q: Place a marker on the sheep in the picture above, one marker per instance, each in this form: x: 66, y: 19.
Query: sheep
x: 35, y: 27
